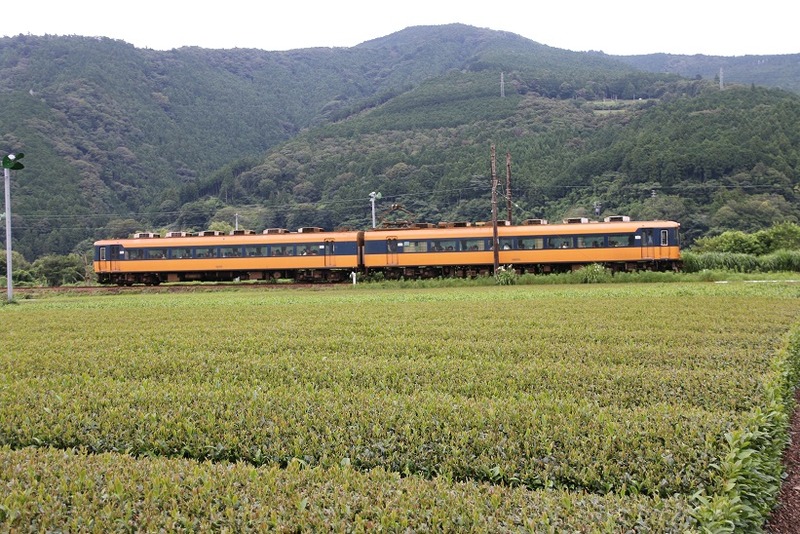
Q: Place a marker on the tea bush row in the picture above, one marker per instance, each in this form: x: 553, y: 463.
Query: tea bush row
x: 618, y: 391
x: 400, y: 384
x: 44, y: 490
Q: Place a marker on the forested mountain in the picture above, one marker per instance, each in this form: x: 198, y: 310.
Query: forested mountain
x: 119, y: 139
x: 777, y: 71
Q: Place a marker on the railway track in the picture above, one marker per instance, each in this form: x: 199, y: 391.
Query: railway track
x: 32, y: 292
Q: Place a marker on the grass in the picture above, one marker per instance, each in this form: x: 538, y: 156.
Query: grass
x: 489, y: 408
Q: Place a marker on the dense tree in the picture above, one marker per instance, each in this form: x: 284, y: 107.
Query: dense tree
x: 57, y: 270
x: 782, y: 236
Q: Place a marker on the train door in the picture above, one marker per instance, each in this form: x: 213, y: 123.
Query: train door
x: 391, y: 251
x: 648, y: 244
x: 115, y: 253
x: 329, y: 252
x: 663, y: 243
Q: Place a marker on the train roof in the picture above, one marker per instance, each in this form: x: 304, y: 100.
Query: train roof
x: 193, y: 240
x: 315, y: 235
x: 622, y: 227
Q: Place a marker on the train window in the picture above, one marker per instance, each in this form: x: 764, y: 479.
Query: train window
x: 559, y: 242
x: 230, y: 252
x: 415, y: 246
x: 180, y: 253
x: 530, y: 243
x: 624, y: 240
x: 260, y: 250
x: 282, y: 250
x: 473, y: 244
x: 591, y: 241
x: 205, y: 252
x: 156, y: 253
x: 102, y: 253
x: 506, y: 244
x: 135, y: 254
x: 308, y: 249
x: 664, y: 238
x: 445, y: 245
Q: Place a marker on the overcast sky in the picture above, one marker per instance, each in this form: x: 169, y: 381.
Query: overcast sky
x: 621, y: 27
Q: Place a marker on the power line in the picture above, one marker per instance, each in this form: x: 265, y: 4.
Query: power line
x: 322, y: 204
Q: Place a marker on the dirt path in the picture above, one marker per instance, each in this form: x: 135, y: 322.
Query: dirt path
x: 786, y: 517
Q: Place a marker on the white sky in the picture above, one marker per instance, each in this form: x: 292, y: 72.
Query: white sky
x: 618, y: 27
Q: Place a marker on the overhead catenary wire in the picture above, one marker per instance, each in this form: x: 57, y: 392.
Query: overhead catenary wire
x: 357, y: 202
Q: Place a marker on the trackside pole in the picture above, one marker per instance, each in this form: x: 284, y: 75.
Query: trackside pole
x: 10, y: 163
x: 9, y: 280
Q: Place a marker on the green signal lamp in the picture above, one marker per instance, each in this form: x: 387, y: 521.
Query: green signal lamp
x: 12, y: 162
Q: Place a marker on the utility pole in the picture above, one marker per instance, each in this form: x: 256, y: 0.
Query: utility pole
x: 502, y: 86
x: 10, y: 162
x: 508, y: 187
x: 372, y: 198
x: 495, y: 240
x: 236, y: 224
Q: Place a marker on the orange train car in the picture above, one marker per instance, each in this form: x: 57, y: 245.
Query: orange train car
x: 618, y: 243
x: 312, y: 255
x: 307, y: 255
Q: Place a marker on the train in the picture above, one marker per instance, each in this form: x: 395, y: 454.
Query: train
x: 416, y: 251
x: 420, y: 250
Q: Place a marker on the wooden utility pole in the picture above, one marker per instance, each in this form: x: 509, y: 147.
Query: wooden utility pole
x: 495, y: 240
x: 508, y: 187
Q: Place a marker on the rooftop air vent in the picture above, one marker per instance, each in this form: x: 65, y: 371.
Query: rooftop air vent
x: 617, y: 218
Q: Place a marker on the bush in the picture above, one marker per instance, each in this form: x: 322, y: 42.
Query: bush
x: 781, y: 261
x: 732, y: 241
x: 785, y: 235
x: 781, y: 236
x: 716, y: 261
x: 595, y: 273
x: 506, y: 275
x: 57, y: 270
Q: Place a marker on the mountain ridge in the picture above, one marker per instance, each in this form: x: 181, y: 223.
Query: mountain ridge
x: 119, y: 138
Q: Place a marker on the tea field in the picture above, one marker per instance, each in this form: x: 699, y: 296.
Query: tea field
x: 654, y: 407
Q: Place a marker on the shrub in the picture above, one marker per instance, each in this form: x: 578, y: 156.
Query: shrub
x: 780, y: 261
x: 715, y: 261
x: 733, y: 241
x: 506, y: 275
x: 595, y: 273
x: 781, y: 236
x: 58, y: 270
